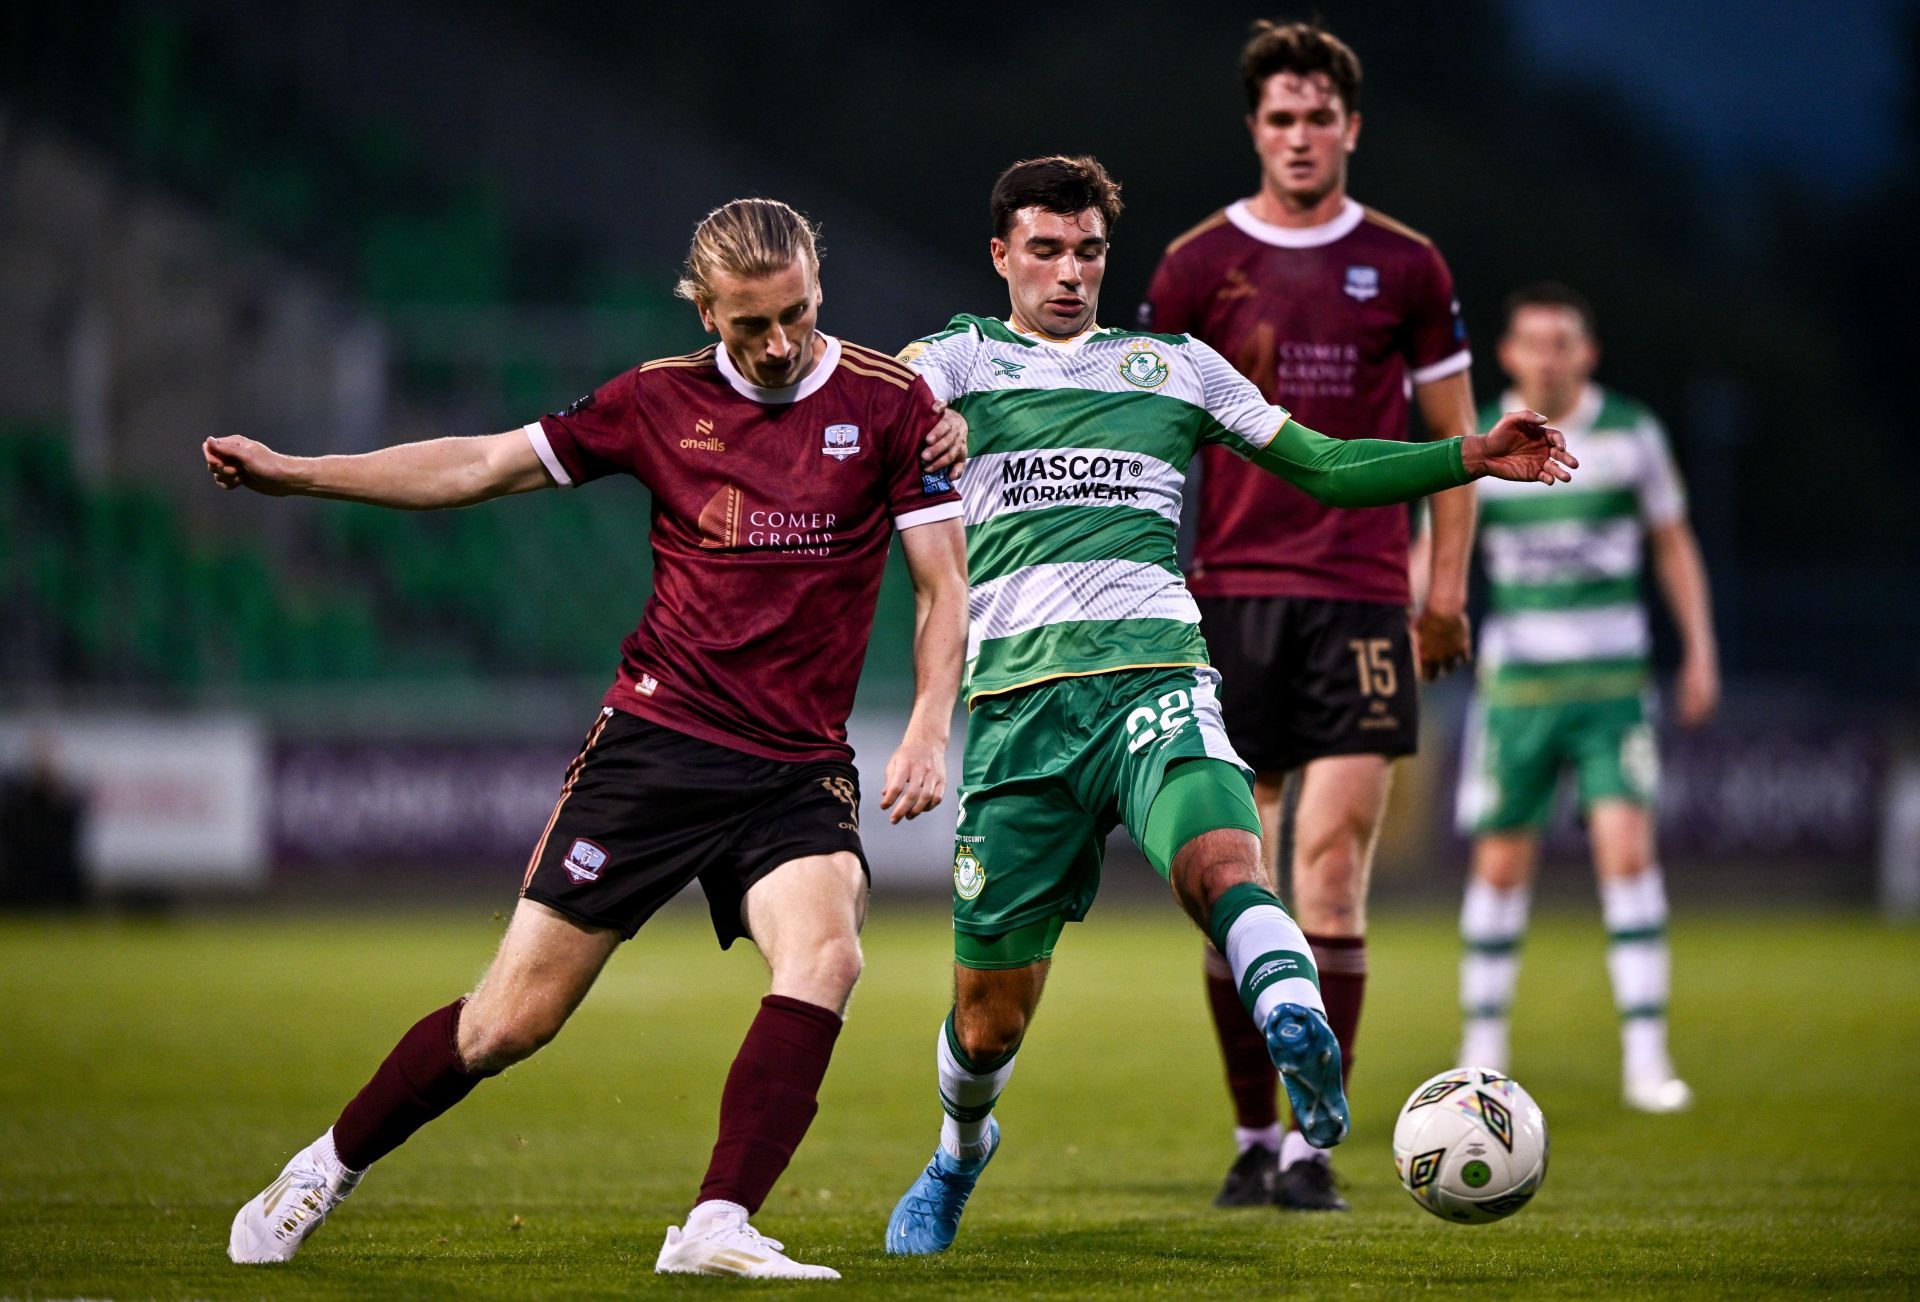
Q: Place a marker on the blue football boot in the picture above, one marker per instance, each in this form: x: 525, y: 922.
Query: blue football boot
x: 1302, y: 1046
x: 927, y: 1217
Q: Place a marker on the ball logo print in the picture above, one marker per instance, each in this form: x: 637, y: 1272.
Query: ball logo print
x: 1438, y: 1090
x: 1470, y: 1146
x: 1499, y: 1120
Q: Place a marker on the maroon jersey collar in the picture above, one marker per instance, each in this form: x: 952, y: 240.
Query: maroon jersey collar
x: 816, y: 378
x: 1297, y: 237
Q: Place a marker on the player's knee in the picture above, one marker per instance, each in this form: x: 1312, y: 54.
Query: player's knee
x: 825, y: 969
x: 989, y: 1036
x: 1212, y: 864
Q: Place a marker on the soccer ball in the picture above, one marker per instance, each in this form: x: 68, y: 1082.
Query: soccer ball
x: 1471, y: 1146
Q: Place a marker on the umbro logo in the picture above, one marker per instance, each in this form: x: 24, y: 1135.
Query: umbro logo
x: 1006, y: 369
x: 703, y: 439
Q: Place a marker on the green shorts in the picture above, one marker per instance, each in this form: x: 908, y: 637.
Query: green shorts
x: 1515, y: 755
x: 1051, y: 769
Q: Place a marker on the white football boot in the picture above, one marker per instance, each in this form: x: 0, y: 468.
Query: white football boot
x: 1659, y: 1092
x: 272, y: 1226
x: 730, y: 1246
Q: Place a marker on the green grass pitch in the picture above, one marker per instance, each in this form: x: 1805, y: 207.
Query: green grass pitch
x: 153, y: 1075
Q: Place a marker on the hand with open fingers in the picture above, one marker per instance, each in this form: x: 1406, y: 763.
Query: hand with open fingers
x: 916, y: 779
x: 1442, y: 641
x: 946, y: 447
x: 1521, y: 447
x: 236, y: 462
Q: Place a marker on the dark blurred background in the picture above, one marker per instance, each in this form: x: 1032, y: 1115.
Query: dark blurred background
x: 332, y: 226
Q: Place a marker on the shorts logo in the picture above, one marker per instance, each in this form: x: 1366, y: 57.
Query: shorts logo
x: 842, y: 790
x: 585, y: 860
x: 969, y: 875
x: 842, y: 441
x: 1142, y: 367
x: 647, y: 685
x: 1363, y: 283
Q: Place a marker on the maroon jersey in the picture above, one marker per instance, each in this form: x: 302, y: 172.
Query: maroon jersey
x: 772, y: 513
x: 1335, y: 323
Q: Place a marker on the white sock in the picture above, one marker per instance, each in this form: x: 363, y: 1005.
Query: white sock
x: 1267, y: 1137
x: 328, y: 1157
x: 1295, y: 1148
x: 712, y: 1214
x: 1493, y: 922
x: 967, y: 1098
x: 1267, y: 953
x: 1638, y: 960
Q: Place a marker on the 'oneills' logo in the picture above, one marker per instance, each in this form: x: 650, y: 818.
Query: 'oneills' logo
x: 703, y: 439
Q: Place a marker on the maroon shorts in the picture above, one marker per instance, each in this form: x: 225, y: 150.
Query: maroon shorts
x: 1302, y: 678
x: 645, y: 810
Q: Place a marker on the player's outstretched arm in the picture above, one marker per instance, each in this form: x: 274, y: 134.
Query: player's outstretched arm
x: 1380, y: 472
x: 937, y: 561
x: 409, y: 476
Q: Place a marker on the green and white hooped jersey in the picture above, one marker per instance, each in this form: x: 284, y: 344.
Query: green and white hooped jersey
x: 1078, y: 451
x: 1567, y: 620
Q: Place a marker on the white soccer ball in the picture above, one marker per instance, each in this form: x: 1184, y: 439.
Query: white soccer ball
x: 1471, y: 1146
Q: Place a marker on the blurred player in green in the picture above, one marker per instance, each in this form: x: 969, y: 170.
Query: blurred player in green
x: 1563, y: 682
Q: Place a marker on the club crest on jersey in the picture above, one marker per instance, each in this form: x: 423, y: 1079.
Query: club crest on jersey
x: 1142, y: 367
x: 1363, y: 283
x: 842, y: 441
x: 969, y: 874
x: 585, y: 860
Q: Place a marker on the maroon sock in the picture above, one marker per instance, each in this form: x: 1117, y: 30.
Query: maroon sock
x: 420, y: 1079
x: 1342, y: 961
x: 1251, y: 1078
x: 770, y: 1099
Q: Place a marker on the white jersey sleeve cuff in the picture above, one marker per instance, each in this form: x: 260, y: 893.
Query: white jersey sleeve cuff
x: 1446, y: 366
x: 926, y: 515
x: 537, y: 435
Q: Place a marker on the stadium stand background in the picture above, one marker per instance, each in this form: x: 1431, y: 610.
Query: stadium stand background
x: 334, y: 225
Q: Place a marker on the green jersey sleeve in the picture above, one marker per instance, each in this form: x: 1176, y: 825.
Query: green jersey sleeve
x: 1338, y: 472
x: 1361, y: 472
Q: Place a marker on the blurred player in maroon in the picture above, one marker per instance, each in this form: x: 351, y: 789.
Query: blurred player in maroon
x: 781, y: 463
x: 1338, y: 313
